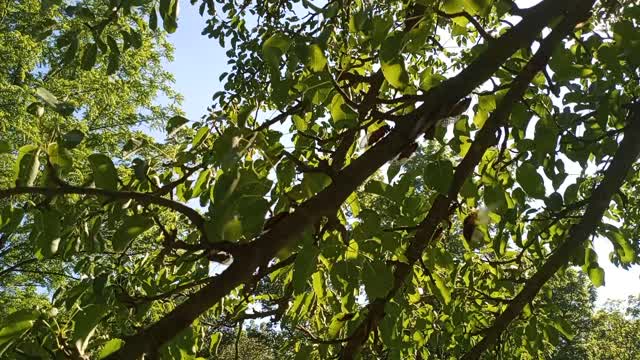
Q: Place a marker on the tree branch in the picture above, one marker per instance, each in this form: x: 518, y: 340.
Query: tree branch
x: 485, y: 35
x: 17, y: 266
x: 326, y: 202
x: 144, y: 198
x: 440, y: 209
x: 615, y: 174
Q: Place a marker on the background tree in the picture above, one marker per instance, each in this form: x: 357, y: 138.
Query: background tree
x: 294, y: 220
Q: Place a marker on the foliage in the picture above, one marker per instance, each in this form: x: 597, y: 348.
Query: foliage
x: 317, y: 218
x: 612, y: 332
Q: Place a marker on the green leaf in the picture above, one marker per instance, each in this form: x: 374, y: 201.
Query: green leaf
x: 27, y: 165
x: 131, y: 227
x: 216, y: 338
x: 453, y: 6
x: 252, y: 211
x: 438, y: 175
x: 110, y: 347
x: 304, y: 352
x: 376, y: 187
x: 86, y: 321
x: 169, y: 12
x: 318, y: 284
x: 232, y: 230
x: 395, y: 73
x: 200, y: 136
x: 596, y: 274
x: 153, y: 19
x: 486, y: 104
x: 114, y: 56
x: 89, y: 56
x: 59, y: 156
x: 469, y: 189
x: 174, y: 124
x: 393, y: 170
x: 299, y: 122
x: 622, y: 246
x: 201, y: 183
x: 429, y: 80
x: 443, y: 290
x: 378, y: 279
x: 313, y: 183
x: 352, y: 251
x: 563, y: 327
x: 47, y: 97
x: 343, y: 116
x: 530, y: 180
x: 337, y: 323
x: 554, y: 201
x: 304, y: 266
x: 273, y: 49
x: 16, y: 324
x: 105, y: 175
x: 316, y: 61
x: 72, y: 139
x: 140, y: 169
x: 494, y: 197
x: 71, y: 51
x: 476, y: 6
x: 10, y: 219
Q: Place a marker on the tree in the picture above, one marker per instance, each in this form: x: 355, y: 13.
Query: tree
x: 612, y: 332
x: 52, y: 107
x: 352, y: 260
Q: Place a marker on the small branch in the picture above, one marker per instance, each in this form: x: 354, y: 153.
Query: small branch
x: 314, y: 339
x: 284, y: 263
x: 144, y: 198
x: 44, y: 272
x: 486, y: 36
x: 15, y: 267
x: 281, y: 117
x: 175, y: 291
x: 402, y: 228
x: 172, y: 185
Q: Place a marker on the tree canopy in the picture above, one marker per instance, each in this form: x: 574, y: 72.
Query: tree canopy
x: 378, y: 179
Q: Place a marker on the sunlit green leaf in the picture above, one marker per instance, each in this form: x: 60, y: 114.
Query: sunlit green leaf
x: 395, y: 73
x: 316, y: 60
x: 27, y: 165
x: 110, y: 347
x: 16, y: 324
x: 596, y: 274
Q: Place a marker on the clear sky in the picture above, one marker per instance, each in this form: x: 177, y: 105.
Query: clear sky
x: 200, y: 60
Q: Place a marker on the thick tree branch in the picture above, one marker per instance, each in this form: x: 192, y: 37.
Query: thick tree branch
x: 439, y: 211
x: 326, y: 202
x: 615, y: 174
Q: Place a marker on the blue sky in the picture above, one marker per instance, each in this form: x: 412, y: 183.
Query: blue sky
x: 200, y: 60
